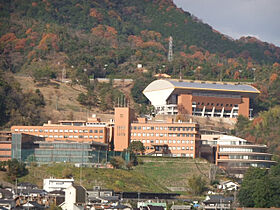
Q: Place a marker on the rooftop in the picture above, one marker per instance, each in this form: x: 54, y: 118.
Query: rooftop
x: 199, y: 85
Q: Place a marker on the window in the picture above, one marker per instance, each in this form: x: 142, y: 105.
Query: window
x: 60, y: 131
x: 143, y: 141
x: 144, y: 128
x: 156, y: 141
x: 174, y: 141
x: 148, y: 141
x: 178, y: 141
x: 144, y: 134
x: 170, y: 141
x: 191, y: 147
x: 55, y: 130
x: 70, y: 131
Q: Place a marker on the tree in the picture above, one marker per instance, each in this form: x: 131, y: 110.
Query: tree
x: 260, y: 188
x: 117, y: 162
x: 136, y: 147
x: 16, y: 169
x: 196, y: 184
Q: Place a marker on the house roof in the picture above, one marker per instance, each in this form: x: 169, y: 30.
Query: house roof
x: 218, y: 199
x: 6, y: 194
x: 175, y: 207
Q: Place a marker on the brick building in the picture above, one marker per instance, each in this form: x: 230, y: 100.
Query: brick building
x: 206, y: 99
x: 179, y: 139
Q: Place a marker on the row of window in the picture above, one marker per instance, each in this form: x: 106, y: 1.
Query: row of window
x: 164, y: 134
x: 238, y: 149
x: 71, y: 137
x: 174, y: 148
x: 58, y: 131
x: 166, y: 141
x: 162, y: 128
x: 212, y: 104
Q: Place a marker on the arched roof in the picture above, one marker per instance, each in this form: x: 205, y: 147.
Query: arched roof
x: 194, y: 85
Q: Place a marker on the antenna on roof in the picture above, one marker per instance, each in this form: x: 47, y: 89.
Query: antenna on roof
x: 180, y: 80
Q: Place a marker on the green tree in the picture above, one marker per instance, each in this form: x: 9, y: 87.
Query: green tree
x: 16, y: 169
x: 196, y: 184
x: 260, y: 188
x: 117, y: 162
x: 136, y: 147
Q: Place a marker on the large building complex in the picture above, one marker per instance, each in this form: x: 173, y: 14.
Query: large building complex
x: 212, y: 99
x: 234, y: 154
x: 179, y: 139
x: 78, y: 130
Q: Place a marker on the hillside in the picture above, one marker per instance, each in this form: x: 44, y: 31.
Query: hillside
x: 79, y: 41
x: 155, y: 175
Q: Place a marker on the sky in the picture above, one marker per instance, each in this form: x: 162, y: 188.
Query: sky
x: 236, y: 18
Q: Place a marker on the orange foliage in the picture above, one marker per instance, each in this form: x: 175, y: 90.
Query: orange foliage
x: 153, y: 44
x: 186, y: 21
x: 183, y: 54
x: 236, y: 75
x: 198, y: 55
x: 276, y: 65
x: 20, y: 44
x: 9, y: 37
x: 34, y: 4
x: 28, y: 31
x: 104, y: 31
x: 273, y: 77
x: 113, y: 14
x: 249, y: 65
x: 31, y: 54
x: 220, y: 65
x: 151, y: 35
x: 129, y: 10
x: 251, y: 138
x: 193, y: 48
x: 94, y: 13
x: 257, y: 121
x: 136, y: 40
x: 268, y: 53
x: 48, y: 37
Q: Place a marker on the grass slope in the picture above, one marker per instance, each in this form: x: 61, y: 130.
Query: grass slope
x: 154, y: 175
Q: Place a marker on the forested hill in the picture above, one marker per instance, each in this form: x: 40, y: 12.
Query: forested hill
x: 91, y: 33
x: 108, y: 38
